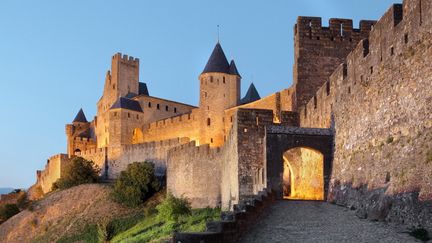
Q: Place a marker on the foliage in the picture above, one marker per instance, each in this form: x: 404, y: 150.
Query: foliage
x: 429, y: 157
x: 88, y: 235
x: 420, y: 233
x: 7, y: 211
x: 105, y: 230
x: 78, y: 171
x: 155, y: 229
x: 22, y: 200
x: 390, y: 139
x: 136, y: 184
x: 172, y: 208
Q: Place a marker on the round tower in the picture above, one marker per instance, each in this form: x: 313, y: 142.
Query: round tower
x: 219, y: 90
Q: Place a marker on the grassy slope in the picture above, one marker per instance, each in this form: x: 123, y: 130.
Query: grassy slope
x: 138, y: 227
x: 153, y: 229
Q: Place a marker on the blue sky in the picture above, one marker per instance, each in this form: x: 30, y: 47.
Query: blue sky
x: 54, y: 56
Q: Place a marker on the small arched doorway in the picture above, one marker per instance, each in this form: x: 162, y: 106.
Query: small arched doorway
x: 137, y: 136
x: 303, y: 174
x: 77, y: 151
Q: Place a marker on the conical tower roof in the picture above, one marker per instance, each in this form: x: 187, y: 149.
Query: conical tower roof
x: 217, y: 62
x: 233, y: 69
x: 251, y: 95
x: 80, y: 117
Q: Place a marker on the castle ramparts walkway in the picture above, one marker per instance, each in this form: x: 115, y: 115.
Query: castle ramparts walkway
x: 313, y: 221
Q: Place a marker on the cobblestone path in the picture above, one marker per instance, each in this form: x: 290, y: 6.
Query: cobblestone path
x: 307, y: 221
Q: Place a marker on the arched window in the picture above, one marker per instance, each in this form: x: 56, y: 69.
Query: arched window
x: 208, y: 122
x: 149, y: 104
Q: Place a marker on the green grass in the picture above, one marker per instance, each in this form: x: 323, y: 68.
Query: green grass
x: 88, y: 235
x: 154, y: 229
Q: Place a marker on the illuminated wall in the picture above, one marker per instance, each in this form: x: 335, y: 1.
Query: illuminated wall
x: 303, y: 176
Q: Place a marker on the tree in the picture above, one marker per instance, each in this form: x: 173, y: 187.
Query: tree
x: 78, y: 171
x: 7, y: 211
x: 137, y: 183
x: 172, y: 208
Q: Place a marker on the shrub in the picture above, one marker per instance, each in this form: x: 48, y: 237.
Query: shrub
x: 390, y: 139
x: 172, y: 208
x: 78, y: 171
x: 22, y: 200
x: 420, y: 233
x: 137, y: 183
x: 105, y: 230
x: 7, y: 211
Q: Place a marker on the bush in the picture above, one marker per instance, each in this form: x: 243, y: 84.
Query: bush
x: 105, y: 230
x: 172, y: 208
x: 7, y: 211
x: 137, y: 183
x: 78, y: 171
x: 22, y: 200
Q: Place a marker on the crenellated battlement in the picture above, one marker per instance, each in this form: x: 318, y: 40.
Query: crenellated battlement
x: 126, y: 58
x: 193, y: 150
x: 338, y: 29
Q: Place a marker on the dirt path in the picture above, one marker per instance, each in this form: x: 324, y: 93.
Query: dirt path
x: 306, y: 221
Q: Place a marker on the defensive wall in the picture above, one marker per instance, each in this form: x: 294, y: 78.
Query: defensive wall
x: 378, y: 101
x: 53, y: 169
x: 157, y: 108
x: 185, y: 125
x: 319, y: 50
x: 222, y: 176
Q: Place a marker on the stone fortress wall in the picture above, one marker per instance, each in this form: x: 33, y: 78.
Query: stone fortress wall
x: 380, y: 100
x: 52, y: 171
x: 222, y: 176
x: 374, y: 90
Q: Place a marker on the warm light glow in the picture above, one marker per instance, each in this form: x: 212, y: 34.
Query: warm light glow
x: 137, y: 136
x: 303, y: 177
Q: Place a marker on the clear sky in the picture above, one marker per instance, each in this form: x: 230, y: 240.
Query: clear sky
x: 54, y: 56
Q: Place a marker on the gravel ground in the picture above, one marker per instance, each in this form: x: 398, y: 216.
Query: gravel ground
x: 308, y: 221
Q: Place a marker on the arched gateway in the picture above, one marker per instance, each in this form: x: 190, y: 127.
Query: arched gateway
x: 299, y: 161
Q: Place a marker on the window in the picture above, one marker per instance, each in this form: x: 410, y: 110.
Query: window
x: 223, y: 80
x: 128, y: 115
x: 349, y: 90
x: 231, y: 118
x: 166, y: 108
x: 137, y: 116
x: 211, y: 79
x: 211, y: 140
x: 406, y: 38
x: 113, y: 86
x: 328, y: 88
x: 175, y: 110
x: 208, y: 107
x: 318, y: 38
x: 315, y: 102
x: 371, y: 70
x: 149, y: 104
x: 391, y: 51
x: 115, y: 113
x: 208, y: 122
x: 157, y: 107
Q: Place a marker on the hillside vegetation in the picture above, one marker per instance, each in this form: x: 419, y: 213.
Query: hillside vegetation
x: 88, y: 213
x: 63, y: 213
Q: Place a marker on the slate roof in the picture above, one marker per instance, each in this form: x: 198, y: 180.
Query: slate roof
x: 142, y: 89
x: 217, y: 62
x: 126, y: 103
x: 233, y: 69
x: 251, y: 95
x: 80, y: 117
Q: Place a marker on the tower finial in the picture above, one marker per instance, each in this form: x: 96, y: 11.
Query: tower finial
x: 218, y: 27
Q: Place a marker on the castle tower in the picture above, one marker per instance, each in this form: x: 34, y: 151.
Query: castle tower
x: 319, y: 50
x: 219, y: 90
x: 79, y: 134
x: 121, y: 81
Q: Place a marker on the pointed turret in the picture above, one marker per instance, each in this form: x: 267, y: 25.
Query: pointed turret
x: 233, y: 69
x: 80, y: 117
x: 217, y: 62
x: 251, y: 95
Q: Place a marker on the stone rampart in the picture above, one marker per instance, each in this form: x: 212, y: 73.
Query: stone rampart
x: 194, y: 172
x: 52, y: 172
x: 380, y: 103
